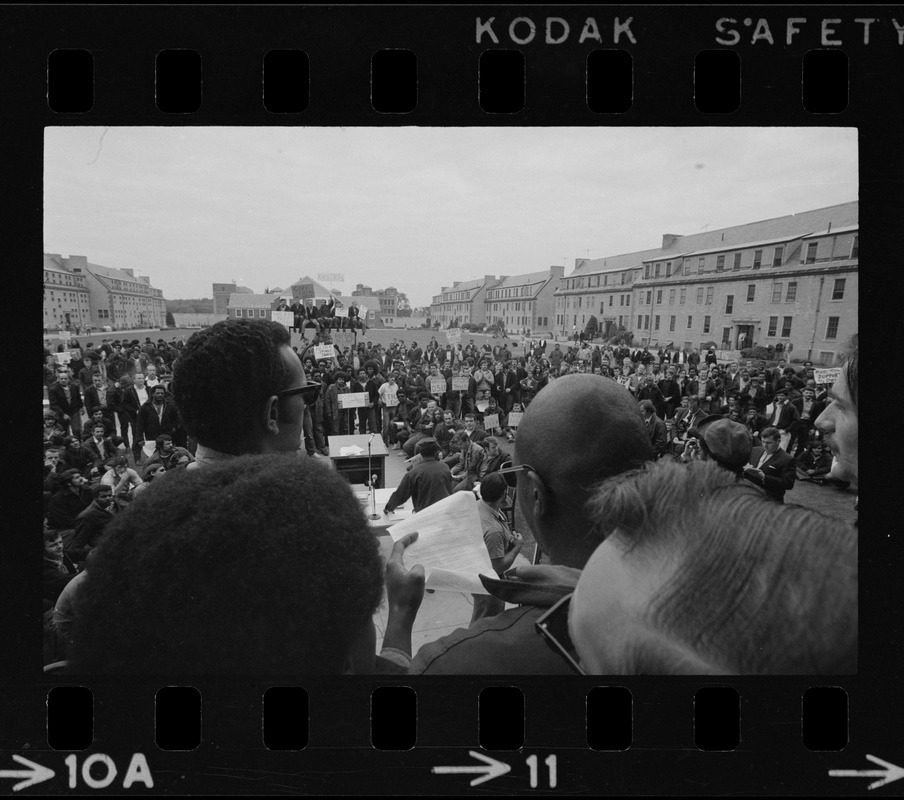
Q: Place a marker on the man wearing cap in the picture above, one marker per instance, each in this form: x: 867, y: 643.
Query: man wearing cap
x: 426, y: 483
x: 260, y: 412
x: 579, y: 431
x: 721, y: 440
x: 770, y: 467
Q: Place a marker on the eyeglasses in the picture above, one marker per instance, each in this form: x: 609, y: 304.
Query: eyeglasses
x: 553, y: 627
x: 510, y: 473
x: 308, y: 392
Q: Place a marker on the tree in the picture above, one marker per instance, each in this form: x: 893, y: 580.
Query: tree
x: 497, y: 328
x: 592, y: 328
x: 403, y: 307
x: 170, y: 320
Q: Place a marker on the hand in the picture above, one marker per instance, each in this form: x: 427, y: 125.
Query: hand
x: 404, y: 587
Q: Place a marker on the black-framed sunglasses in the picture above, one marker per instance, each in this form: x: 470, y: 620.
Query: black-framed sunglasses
x: 553, y: 627
x: 308, y: 392
x: 510, y: 473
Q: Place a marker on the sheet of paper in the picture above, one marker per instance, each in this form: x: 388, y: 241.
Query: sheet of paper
x: 490, y: 421
x: 286, y: 318
x: 437, y: 385
x: 324, y: 351
x: 353, y: 450
x: 460, y: 384
x: 353, y: 400
x: 450, y: 544
x: 514, y: 419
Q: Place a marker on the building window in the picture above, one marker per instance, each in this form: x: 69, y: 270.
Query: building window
x: 658, y: 268
x: 786, y: 326
x: 709, y: 295
x: 627, y: 299
x: 671, y: 297
x: 700, y: 264
x: 262, y: 313
x: 726, y: 336
x: 658, y: 296
x: 706, y: 321
x: 720, y: 263
x: 699, y: 295
x: 683, y: 297
x: 690, y: 320
x: 672, y: 323
x: 777, y: 256
x: 751, y: 292
x: 611, y: 299
x: 773, y: 325
x: 737, y: 261
x: 639, y: 322
x: 238, y: 312
x: 656, y: 322
x: 838, y: 289
x: 776, y: 293
x: 811, y: 252
x: 729, y: 304
x: 791, y: 294
x: 757, y: 258
x: 832, y: 328
x: 855, y: 248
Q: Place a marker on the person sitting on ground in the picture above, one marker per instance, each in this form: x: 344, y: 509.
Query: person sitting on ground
x: 71, y: 498
x: 259, y: 412
x: 58, y: 567
x: 166, y: 454
x: 426, y: 483
x: 579, y: 431
x: 703, y: 576
x: 493, y: 458
x: 470, y: 461
x: 90, y: 524
x: 121, y: 479
x: 815, y: 463
x: 770, y: 467
x: 302, y: 605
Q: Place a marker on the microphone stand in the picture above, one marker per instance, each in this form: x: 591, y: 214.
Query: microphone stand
x: 373, y: 483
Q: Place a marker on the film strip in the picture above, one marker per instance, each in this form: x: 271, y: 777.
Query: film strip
x: 499, y: 67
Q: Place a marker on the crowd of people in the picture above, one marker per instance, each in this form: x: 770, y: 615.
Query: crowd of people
x: 190, y: 445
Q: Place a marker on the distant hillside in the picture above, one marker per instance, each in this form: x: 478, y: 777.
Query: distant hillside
x: 203, y: 305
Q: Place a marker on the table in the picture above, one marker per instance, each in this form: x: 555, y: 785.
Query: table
x: 353, y: 466
x: 385, y: 521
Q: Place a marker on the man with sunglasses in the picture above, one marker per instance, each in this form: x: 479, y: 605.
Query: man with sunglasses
x: 241, y: 389
x: 579, y: 431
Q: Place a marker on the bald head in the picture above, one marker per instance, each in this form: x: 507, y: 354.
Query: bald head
x: 580, y: 430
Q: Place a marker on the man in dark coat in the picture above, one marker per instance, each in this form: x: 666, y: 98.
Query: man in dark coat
x: 91, y: 522
x: 66, y: 400
x: 770, y: 467
x: 157, y: 416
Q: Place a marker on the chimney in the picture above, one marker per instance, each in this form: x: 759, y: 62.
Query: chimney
x: 668, y: 239
x: 77, y: 264
x: 455, y: 283
x: 129, y: 272
x: 491, y: 279
x: 557, y: 271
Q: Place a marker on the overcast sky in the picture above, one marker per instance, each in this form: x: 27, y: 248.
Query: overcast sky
x: 414, y: 208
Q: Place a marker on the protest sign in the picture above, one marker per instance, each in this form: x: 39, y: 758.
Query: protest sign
x: 490, y: 421
x: 828, y: 376
x: 331, y: 277
x: 353, y: 400
x: 449, y: 545
x: 286, y: 318
x: 437, y: 385
x: 63, y: 358
x: 326, y: 351
x: 514, y: 419
x: 343, y: 339
x: 483, y: 405
x: 460, y: 384
x: 362, y: 311
x: 453, y: 336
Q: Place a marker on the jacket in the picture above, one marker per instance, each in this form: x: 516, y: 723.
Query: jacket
x: 779, y: 473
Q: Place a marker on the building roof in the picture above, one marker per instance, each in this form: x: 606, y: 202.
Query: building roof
x: 242, y: 300
x: 464, y: 286
x: 784, y: 228
x: 114, y: 274
x: 839, y: 229
x: 524, y: 279
x: 319, y: 288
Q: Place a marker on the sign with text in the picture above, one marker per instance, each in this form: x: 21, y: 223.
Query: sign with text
x: 453, y: 336
x: 461, y: 384
x: 324, y: 351
x: 343, y: 339
x: 828, y: 376
x: 362, y: 311
x: 331, y: 277
x: 514, y: 418
x: 286, y: 318
x: 490, y: 421
x: 353, y: 400
x: 437, y: 385
x: 63, y: 358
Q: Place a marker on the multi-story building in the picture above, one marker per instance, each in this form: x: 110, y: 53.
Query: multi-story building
x: 388, y: 299
x: 791, y: 279
x: 525, y: 301
x: 67, y: 301
x: 221, y: 293
x: 464, y: 301
x: 116, y: 297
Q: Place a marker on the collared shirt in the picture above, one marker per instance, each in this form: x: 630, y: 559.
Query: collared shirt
x: 764, y: 458
x: 205, y: 456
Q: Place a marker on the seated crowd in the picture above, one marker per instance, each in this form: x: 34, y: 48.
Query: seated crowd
x: 606, y: 472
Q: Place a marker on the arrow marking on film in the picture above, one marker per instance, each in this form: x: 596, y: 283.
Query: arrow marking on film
x: 490, y: 769
x: 889, y: 774
x: 34, y: 774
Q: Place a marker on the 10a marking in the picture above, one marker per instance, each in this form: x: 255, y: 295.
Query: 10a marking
x: 550, y: 762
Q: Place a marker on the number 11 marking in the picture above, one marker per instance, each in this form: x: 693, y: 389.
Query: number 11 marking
x: 550, y: 762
